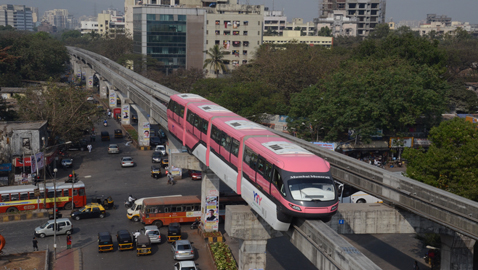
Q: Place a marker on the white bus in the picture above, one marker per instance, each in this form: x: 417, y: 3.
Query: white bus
x: 352, y: 195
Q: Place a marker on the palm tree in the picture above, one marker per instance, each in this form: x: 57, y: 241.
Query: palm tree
x: 215, y: 60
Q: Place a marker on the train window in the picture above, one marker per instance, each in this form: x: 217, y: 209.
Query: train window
x: 228, y: 142
x: 247, y: 156
x: 196, y: 121
x: 215, y: 134
x: 5, y: 197
x: 177, y: 109
x: 23, y: 196
x: 190, y: 117
x: 174, y: 107
x: 181, y: 111
x: 204, y: 126
x: 235, y: 147
x: 268, y: 171
x: 277, y: 181
x: 222, y: 137
x: 170, y: 105
x: 260, y: 165
x: 14, y: 197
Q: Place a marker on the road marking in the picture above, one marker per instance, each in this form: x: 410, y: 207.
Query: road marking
x: 87, y: 176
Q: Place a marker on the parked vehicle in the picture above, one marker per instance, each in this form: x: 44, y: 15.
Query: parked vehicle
x: 64, y: 226
x: 67, y: 162
x: 105, y: 242
x: 152, y: 232
x: 124, y: 239
x: 113, y: 149
x: 182, y: 250
x: 127, y: 162
x: 91, y: 210
x: 164, y: 162
x: 143, y: 245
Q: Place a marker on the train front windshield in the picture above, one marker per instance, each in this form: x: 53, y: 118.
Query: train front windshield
x: 311, y: 187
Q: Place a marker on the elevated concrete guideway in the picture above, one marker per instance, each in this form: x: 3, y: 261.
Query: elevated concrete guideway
x: 444, y: 208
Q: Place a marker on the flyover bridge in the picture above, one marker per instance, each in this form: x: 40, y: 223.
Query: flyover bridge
x: 446, y: 209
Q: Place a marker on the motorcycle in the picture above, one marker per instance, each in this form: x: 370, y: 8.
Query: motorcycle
x: 129, y: 203
x: 195, y: 224
x: 105, y: 124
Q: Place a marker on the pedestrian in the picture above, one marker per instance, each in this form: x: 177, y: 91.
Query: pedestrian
x: 415, y: 266
x: 35, y: 244
x: 89, y: 147
x: 68, y: 242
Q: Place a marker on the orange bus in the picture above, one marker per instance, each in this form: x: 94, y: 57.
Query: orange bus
x: 166, y: 210
x: 22, y: 198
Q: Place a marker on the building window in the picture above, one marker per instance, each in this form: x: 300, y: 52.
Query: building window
x: 207, y: 32
x: 227, y: 23
x: 235, y: 33
x: 218, y: 32
x: 217, y: 42
x: 246, y: 43
x: 235, y: 53
x: 258, y: 33
x: 227, y: 33
x: 246, y: 22
x: 258, y: 22
x: 236, y: 44
x: 226, y: 44
x: 245, y: 33
x: 207, y: 21
x: 244, y: 62
x: 244, y: 52
x: 218, y: 22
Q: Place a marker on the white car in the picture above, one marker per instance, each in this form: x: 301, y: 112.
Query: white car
x: 66, y: 162
x: 185, y: 265
x: 127, y: 162
x: 113, y: 149
x: 90, y: 98
x: 161, y: 149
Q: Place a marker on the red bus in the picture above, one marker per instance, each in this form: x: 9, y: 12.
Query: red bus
x: 166, y: 210
x: 22, y: 198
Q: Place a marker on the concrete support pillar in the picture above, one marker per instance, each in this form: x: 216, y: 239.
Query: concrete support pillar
x: 456, y: 252
x: 143, y: 127
x: 210, y: 201
x: 83, y: 68
x: 89, y: 78
x: 112, y: 99
x: 77, y: 67
x: 125, y: 114
x: 103, y: 92
x: 242, y: 223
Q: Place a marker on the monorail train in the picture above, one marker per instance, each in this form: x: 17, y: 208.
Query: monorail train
x: 276, y: 177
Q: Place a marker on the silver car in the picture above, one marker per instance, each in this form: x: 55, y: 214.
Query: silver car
x: 182, y: 250
x: 152, y: 232
x: 127, y: 162
x: 113, y: 149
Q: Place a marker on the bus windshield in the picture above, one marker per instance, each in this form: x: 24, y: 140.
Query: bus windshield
x: 311, y: 190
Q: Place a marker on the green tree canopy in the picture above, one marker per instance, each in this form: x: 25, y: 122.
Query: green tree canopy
x: 380, y: 31
x: 450, y: 162
x: 325, y: 32
x: 70, y: 34
x: 64, y: 107
x: 389, y: 94
x: 215, y: 60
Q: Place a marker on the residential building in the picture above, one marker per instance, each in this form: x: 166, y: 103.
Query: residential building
x: 46, y: 27
x: 174, y: 36
x: 443, y: 19
x: 61, y: 19
x: 88, y: 27
x: 440, y: 28
x: 307, y: 29
x: 35, y: 15
x: 391, y: 25
x: 238, y: 29
x: 369, y: 13
x: 111, y: 23
x: 17, y: 16
x: 339, y: 23
x: 274, y: 21
x: 294, y: 36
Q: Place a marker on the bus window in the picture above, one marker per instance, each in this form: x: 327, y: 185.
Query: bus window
x: 51, y: 194
x: 175, y: 208
x: 167, y: 209
x: 42, y: 195
x: 5, y: 197
x: 14, y: 197
x: 197, y: 207
x: 189, y: 208
x: 23, y: 196
x: 59, y: 193
x: 82, y: 192
x: 75, y: 192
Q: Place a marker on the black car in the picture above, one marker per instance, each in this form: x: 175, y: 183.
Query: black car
x: 81, y: 145
x: 156, y: 158
x: 153, y: 141
x: 125, y: 241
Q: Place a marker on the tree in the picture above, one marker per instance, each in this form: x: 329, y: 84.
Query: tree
x: 389, y: 94
x: 7, y: 28
x: 7, y: 112
x: 65, y: 108
x: 70, y: 34
x: 215, y: 60
x: 460, y: 99
x: 181, y: 80
x: 325, y: 32
x: 450, y: 162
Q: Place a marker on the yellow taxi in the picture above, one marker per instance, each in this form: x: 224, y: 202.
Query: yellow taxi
x: 91, y: 210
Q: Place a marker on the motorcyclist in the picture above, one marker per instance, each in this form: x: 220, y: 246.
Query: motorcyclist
x: 131, y: 199
x: 105, y: 123
x: 136, y: 234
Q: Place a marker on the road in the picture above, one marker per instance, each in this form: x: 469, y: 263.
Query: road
x: 103, y: 175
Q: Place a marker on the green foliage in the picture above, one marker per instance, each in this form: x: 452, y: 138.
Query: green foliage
x: 70, y: 34
x: 215, y: 60
x: 380, y: 31
x: 461, y: 99
x: 38, y: 57
x: 7, y: 28
x: 462, y: 56
x: 325, y: 32
x: 429, y: 239
x: 7, y: 112
x: 222, y: 256
x: 64, y: 107
x: 450, y: 162
x: 181, y: 80
x: 388, y: 94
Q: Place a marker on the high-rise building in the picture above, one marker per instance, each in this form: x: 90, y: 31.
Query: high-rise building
x: 111, y: 23
x: 18, y: 16
x: 369, y: 13
x: 61, y: 19
x: 274, y: 21
x: 338, y: 23
x: 443, y: 19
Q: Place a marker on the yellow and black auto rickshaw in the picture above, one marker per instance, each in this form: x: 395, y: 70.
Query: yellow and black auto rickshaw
x: 143, y: 245
x: 125, y: 242
x: 118, y: 133
x: 105, y: 242
x: 155, y: 171
x: 174, y: 232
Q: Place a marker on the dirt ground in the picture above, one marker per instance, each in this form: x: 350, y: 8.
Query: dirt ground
x: 24, y: 261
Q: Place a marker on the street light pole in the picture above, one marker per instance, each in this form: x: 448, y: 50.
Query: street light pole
x: 45, y: 193
x: 54, y: 216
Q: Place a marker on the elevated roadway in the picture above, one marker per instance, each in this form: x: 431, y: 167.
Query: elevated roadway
x: 444, y: 208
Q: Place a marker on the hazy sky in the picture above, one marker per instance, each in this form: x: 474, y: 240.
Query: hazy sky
x: 458, y: 10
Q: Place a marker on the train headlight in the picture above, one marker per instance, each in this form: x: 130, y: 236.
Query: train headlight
x: 334, y: 207
x: 295, y: 207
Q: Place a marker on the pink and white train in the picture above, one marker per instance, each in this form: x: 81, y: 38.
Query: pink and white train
x: 276, y: 177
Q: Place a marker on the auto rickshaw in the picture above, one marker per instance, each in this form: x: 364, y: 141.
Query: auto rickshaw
x: 105, y: 242
x: 155, y: 171
x: 174, y: 232
x: 125, y: 242
x: 143, y: 245
x: 118, y: 133
x: 107, y: 203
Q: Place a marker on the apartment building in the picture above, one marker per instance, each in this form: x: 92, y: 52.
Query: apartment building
x: 441, y: 28
x: 294, y: 36
x: 111, y: 23
x: 306, y: 28
x: 237, y: 29
x: 339, y: 23
x: 17, y: 16
x: 274, y: 21
x: 369, y: 13
x: 61, y: 19
x: 443, y: 19
x: 88, y: 27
